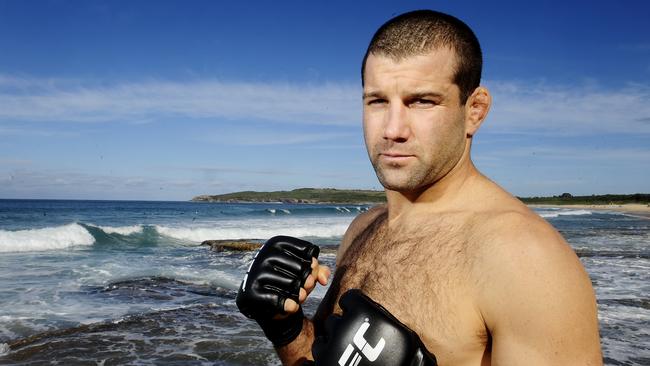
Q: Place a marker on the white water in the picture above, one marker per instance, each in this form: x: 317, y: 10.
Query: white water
x: 4, y: 349
x: 558, y: 213
x: 122, y: 230
x: 315, y: 227
x: 50, y: 238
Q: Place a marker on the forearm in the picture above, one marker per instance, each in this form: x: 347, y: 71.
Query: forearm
x: 298, y: 351
x: 282, y: 275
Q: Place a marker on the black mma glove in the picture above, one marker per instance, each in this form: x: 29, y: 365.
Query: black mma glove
x: 277, y: 273
x: 368, y: 335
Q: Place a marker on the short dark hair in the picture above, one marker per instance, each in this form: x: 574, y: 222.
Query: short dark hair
x: 421, y: 31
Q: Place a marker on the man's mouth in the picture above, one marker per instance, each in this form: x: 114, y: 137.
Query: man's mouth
x: 394, y: 157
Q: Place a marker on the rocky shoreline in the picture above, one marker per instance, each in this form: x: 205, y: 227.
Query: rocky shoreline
x: 208, y: 198
x: 238, y: 245
x: 246, y: 245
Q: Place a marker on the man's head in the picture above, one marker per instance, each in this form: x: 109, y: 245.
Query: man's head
x: 421, y: 31
x: 422, y: 102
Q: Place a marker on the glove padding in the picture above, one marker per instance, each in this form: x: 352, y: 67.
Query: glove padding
x: 367, y: 334
x: 279, y: 269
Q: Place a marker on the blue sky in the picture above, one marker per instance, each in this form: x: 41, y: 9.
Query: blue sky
x: 165, y: 100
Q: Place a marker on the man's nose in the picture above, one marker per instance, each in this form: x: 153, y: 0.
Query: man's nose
x: 396, y: 124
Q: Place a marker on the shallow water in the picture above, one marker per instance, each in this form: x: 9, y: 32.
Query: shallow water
x: 111, y: 283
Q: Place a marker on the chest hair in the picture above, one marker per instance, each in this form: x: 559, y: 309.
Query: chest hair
x: 418, y: 272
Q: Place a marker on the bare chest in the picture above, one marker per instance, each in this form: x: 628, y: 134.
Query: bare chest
x: 422, y: 276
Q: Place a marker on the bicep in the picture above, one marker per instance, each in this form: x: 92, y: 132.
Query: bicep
x: 547, y: 337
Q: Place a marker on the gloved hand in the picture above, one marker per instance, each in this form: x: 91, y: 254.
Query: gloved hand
x: 277, y: 273
x: 366, y: 334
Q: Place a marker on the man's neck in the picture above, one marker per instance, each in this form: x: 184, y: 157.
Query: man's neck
x: 446, y: 194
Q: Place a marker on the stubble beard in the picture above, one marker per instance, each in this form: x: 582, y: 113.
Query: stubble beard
x: 404, y: 179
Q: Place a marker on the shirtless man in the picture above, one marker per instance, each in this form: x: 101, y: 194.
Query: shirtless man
x: 474, y: 275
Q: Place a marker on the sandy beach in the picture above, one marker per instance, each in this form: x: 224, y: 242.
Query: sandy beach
x: 636, y: 209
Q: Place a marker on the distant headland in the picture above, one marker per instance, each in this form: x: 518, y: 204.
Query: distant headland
x: 356, y: 196
x: 300, y: 195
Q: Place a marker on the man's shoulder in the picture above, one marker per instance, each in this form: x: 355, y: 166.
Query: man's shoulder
x: 524, y: 260
x: 532, y: 286
x: 512, y: 241
x: 513, y: 222
x: 358, y: 226
x: 518, y: 232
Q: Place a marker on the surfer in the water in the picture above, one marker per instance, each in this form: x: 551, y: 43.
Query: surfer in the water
x: 453, y: 269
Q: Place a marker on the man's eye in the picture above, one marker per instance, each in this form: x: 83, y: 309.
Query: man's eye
x: 376, y: 101
x: 423, y: 102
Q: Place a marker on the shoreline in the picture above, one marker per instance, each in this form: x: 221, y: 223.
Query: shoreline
x: 293, y: 202
x: 635, y: 209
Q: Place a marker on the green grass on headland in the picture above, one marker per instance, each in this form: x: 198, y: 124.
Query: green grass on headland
x: 354, y: 196
x: 301, y: 195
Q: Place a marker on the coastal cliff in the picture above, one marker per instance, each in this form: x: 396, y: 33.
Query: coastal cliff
x: 301, y: 195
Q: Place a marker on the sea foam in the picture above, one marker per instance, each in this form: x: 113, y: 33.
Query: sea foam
x: 49, y: 238
x: 122, y: 230
x: 257, y: 229
x: 565, y: 213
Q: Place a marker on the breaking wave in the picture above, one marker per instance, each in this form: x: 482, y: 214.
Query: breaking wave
x: 49, y: 238
x: 199, y: 234
x: 122, y: 230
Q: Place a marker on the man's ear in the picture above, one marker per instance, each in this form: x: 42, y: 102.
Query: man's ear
x: 476, y: 109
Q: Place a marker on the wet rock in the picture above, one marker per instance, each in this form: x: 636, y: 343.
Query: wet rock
x: 242, y: 245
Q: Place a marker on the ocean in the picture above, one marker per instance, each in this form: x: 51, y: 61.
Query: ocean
x: 128, y: 283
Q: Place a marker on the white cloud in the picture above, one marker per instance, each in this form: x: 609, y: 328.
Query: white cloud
x: 73, y: 101
x: 53, y: 183
x: 518, y: 106
x: 250, y: 137
x: 568, y: 110
x: 5, y: 131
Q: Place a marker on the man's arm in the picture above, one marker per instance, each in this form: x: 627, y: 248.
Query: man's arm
x: 299, y: 350
x: 281, y: 276
x: 537, y: 299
